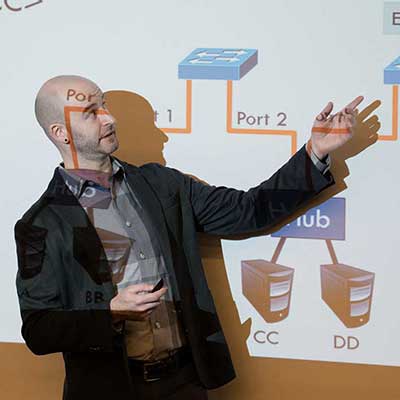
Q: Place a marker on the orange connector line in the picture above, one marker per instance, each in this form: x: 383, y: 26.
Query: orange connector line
x: 278, y: 250
x: 188, y: 128
x: 332, y: 252
x: 230, y: 129
x: 67, y: 114
x: 395, y: 116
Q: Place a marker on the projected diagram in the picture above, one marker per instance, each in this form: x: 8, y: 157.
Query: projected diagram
x: 391, y: 76
x: 222, y: 64
x: 232, y: 65
x: 346, y: 290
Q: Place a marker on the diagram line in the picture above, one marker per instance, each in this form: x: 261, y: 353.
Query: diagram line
x: 332, y: 251
x: 188, y: 128
x: 231, y: 129
x: 395, y: 116
x: 278, y: 250
x: 67, y: 114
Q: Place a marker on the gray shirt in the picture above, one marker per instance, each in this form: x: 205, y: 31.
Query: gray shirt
x: 133, y: 253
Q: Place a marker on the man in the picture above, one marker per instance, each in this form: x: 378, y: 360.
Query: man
x: 92, y: 248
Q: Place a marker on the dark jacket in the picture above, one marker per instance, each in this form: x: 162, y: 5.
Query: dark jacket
x: 64, y: 281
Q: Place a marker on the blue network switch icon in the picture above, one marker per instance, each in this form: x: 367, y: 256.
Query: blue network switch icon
x: 217, y: 63
x: 391, y: 74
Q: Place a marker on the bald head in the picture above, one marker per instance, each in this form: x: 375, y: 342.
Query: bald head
x: 52, y: 98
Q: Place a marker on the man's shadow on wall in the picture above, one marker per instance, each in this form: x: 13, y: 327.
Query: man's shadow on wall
x: 141, y: 142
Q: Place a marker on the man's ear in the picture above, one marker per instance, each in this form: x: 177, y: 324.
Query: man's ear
x: 58, y: 133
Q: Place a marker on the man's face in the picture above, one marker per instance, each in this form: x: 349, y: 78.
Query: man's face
x: 91, y: 125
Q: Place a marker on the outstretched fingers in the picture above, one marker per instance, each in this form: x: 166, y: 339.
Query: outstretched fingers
x: 350, y: 108
x: 323, y: 115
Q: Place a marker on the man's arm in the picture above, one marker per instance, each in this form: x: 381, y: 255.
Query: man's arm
x: 47, y: 327
x: 222, y: 211
x: 323, y: 164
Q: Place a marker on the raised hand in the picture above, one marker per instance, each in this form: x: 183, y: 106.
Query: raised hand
x: 329, y: 132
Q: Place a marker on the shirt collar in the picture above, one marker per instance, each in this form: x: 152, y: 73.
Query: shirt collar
x: 77, y: 182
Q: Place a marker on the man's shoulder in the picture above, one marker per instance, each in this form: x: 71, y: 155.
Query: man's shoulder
x: 152, y: 169
x: 35, y: 211
x: 149, y: 166
x: 163, y: 179
x: 40, y: 207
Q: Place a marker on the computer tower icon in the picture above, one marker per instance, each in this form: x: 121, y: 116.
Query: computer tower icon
x: 348, y: 292
x: 268, y: 287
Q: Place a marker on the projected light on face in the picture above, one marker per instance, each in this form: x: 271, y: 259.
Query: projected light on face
x: 90, y: 126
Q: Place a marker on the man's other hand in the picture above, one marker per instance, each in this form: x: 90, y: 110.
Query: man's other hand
x: 135, y: 302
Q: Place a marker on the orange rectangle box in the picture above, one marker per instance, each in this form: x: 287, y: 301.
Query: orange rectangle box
x: 268, y: 287
x: 348, y: 292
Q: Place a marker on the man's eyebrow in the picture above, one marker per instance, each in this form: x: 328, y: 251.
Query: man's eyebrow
x: 87, y: 108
